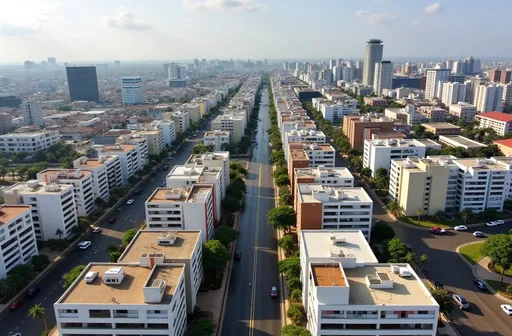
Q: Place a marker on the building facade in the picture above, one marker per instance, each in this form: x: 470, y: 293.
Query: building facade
x: 32, y: 114
x: 372, y: 55
x: 132, y: 90
x: 82, y: 83
x: 28, y: 141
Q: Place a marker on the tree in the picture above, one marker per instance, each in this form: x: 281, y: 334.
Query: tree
x: 281, y: 218
x: 394, y: 208
x: 280, y: 171
x: 215, y: 255
x: 59, y: 233
x: 289, y: 266
x: 128, y: 236
x: 3, y: 172
x: 381, y: 232
x: 282, y: 180
x: 77, y: 230
x: 293, y: 282
x: 13, y: 172
x: 419, y: 212
x: 225, y: 234
x: 443, y: 298
x: 499, y: 249
x: 366, y: 172
x: 202, y: 327
x: 112, y: 248
x: 466, y: 214
x: 70, y: 277
x: 296, y: 313
x: 231, y: 204
x: 114, y: 256
x: 381, y: 172
x: 39, y: 262
x: 38, y: 313
x: 287, y: 243
x: 397, y: 251
x: 238, y: 168
x: 423, y: 260
x: 99, y: 202
x: 296, y: 295
x: 419, y: 131
x: 293, y: 330
x: 440, y: 215
x: 285, y: 196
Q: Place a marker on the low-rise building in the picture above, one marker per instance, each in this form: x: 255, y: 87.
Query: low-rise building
x: 17, y: 236
x: 432, y: 113
x: 375, y: 101
x: 317, y: 154
x: 194, y: 111
x: 459, y: 141
x: 28, y: 141
x: 335, y: 111
x: 213, y: 160
x: 360, y: 128
x: 303, y: 136
x: 498, y: 121
x: 168, y: 129
x: 463, y: 111
x: 216, y: 139
x: 441, y: 128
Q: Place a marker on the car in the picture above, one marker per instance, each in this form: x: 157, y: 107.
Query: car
x: 499, y: 222
x: 437, y: 230
x: 32, y: 291
x: 461, y: 301
x: 491, y: 224
x: 112, y: 220
x: 507, y: 309
x: 238, y: 255
x: 438, y: 285
x: 478, y: 234
x: 274, y: 292
x: 130, y: 201
x: 16, y: 304
x: 480, y: 284
x: 165, y: 168
x: 408, y: 247
x: 137, y: 191
x: 164, y: 184
x: 461, y: 228
x: 17, y: 334
x: 97, y: 230
x: 84, y: 245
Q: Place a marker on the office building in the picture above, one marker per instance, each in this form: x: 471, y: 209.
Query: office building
x: 175, y: 71
x: 487, y: 98
x: 82, y: 83
x: 32, y: 114
x: 132, y: 90
x: 335, y: 111
x: 463, y: 111
x: 434, y: 77
x: 53, y: 207
x: 234, y: 123
x: 128, y: 157
x: 347, y: 292
x: 452, y: 93
x: 188, y: 208
x: 146, y: 297
x: 360, y: 128
x: 382, y: 77
x: 17, y: 236
x: 323, y: 207
x: 28, y: 141
x: 181, y: 120
x: 216, y: 139
x: 332, y: 176
x: 336, y: 73
x: 182, y: 247
x: 372, y: 54
x: 441, y: 128
x: 105, y: 171
x: 507, y: 96
x: 154, y: 138
x: 379, y: 153
x: 498, y: 121
x: 495, y: 75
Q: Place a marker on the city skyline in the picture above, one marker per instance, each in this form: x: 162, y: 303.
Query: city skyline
x: 128, y: 30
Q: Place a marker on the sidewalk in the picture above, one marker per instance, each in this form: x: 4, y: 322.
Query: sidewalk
x: 482, y: 271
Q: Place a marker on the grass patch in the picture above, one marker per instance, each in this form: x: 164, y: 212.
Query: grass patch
x: 499, y: 287
x: 498, y: 269
x: 472, y: 252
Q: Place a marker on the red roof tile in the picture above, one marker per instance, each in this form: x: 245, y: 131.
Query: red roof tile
x: 499, y: 116
x: 506, y: 142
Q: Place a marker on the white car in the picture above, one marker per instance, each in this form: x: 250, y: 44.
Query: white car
x: 84, y: 245
x: 461, y: 228
x: 479, y: 234
x: 499, y: 222
x: 507, y: 309
x: 491, y: 224
x: 130, y: 201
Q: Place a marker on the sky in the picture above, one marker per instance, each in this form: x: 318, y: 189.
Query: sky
x: 94, y: 30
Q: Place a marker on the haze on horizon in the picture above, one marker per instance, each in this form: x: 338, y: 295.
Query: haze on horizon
x: 72, y: 30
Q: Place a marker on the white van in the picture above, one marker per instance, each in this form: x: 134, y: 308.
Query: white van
x: 90, y: 277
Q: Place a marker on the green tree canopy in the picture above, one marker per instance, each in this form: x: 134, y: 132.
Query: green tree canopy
x: 215, y: 255
x: 282, y: 217
x: 443, y: 298
x: 238, y: 168
x: 296, y: 313
x: 225, y: 234
x: 128, y: 236
x: 499, y: 249
x: 202, y: 327
x: 381, y: 232
x: 287, y: 243
x: 293, y: 330
x: 71, y: 276
x: 289, y: 266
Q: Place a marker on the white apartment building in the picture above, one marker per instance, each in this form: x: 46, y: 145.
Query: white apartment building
x: 183, y: 247
x: 463, y: 110
x: 106, y: 173
x: 303, y: 135
x: 383, y: 76
x: 17, y: 236
x: 335, y: 176
x: 434, y: 77
x: 347, y: 292
x: 168, y: 129
x: 193, y: 110
x: 154, y: 138
x: 53, y: 207
x: 142, y: 149
x: 216, y: 139
x: 32, y: 114
x: 234, y: 123
x: 213, y: 161
x: 132, y: 90
x: 379, y: 153
x: 128, y: 157
x: 317, y: 154
x: 179, y: 209
x: 452, y: 93
x: 498, y: 121
x: 82, y: 183
x: 488, y: 98
x: 324, y: 207
x: 147, y: 298
x: 181, y: 120
x: 507, y: 94
x: 407, y: 115
x: 28, y: 141
x: 335, y: 111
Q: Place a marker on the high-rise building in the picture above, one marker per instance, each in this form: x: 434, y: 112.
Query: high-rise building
x: 507, y: 95
x: 332, y: 63
x: 196, y: 63
x: 434, y: 77
x: 83, y: 83
x: 383, y: 76
x: 5, y: 123
x: 132, y: 90
x: 495, y: 75
x: 52, y: 62
x: 469, y: 64
x: 372, y: 55
x: 32, y: 114
x: 505, y: 76
x: 286, y: 66
x: 174, y: 71
x: 348, y: 74
x: 457, y: 68
x: 452, y: 93
x: 336, y: 73
x: 29, y: 65
x: 488, y: 98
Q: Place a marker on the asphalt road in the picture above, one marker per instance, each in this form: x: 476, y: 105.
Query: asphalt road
x: 131, y: 216
x: 250, y: 310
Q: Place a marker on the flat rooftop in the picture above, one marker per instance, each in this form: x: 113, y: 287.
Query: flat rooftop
x: 185, y: 170
x: 354, y: 194
x: 298, y: 154
x: 339, y: 172
x: 401, y: 143
x: 65, y: 174
x: 146, y: 242
x: 328, y: 275
x: 169, y: 195
x: 441, y: 125
x: 405, y: 291
x: 129, y: 291
x: 480, y: 164
x: 117, y: 148
x: 198, y: 192
x: 8, y: 213
x: 460, y: 141
x: 199, y: 158
x: 216, y: 133
x: 318, y: 244
x: 22, y: 187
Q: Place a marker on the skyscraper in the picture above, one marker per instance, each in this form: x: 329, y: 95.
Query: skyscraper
x: 434, y: 77
x: 457, y: 68
x: 132, y: 90
x: 348, y: 74
x: 452, y: 93
x: 174, y: 71
x: 469, y: 64
x: 495, y: 75
x: 372, y: 55
x: 332, y: 64
x: 32, y: 114
x: 29, y: 65
x: 336, y: 73
x: 488, y: 98
x: 83, y: 83
x: 383, y: 76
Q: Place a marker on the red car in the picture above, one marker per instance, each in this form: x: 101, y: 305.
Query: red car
x: 16, y: 304
x: 437, y: 230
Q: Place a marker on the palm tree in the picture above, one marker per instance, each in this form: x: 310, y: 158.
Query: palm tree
x: 419, y: 212
x: 13, y: 173
x: 395, y: 208
x: 38, y: 313
x: 423, y: 259
x: 466, y: 214
x: 59, y: 233
x: 3, y: 172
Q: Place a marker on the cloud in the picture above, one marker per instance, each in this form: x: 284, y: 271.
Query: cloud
x: 125, y: 20
x: 433, y: 8
x: 376, y: 18
x: 235, y: 5
x: 8, y: 29
x: 27, y: 21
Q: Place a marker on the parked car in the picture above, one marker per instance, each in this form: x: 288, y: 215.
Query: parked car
x: 461, y: 228
x: 130, y: 201
x: 84, y: 245
x: 478, y: 234
x: 461, y: 301
x: 491, y: 224
x: 16, y: 304
x: 137, y: 191
x: 97, y: 230
x: 437, y: 230
x: 274, y: 292
x: 112, y: 220
x: 499, y: 222
x: 507, y: 309
x: 480, y: 284
x: 32, y: 291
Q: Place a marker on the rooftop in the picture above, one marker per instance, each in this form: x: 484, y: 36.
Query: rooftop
x: 506, y: 142
x: 444, y: 125
x: 328, y: 275
x: 169, y: 195
x: 117, y: 148
x: 8, y: 213
x: 405, y: 291
x: 499, y: 116
x: 319, y: 244
x: 396, y: 143
x: 199, y: 192
x: 298, y: 154
x: 216, y: 133
x: 38, y: 187
x: 307, y: 193
x: 460, y: 141
x: 340, y: 172
x: 129, y: 291
x: 147, y: 242
x: 480, y: 164
x: 49, y: 175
